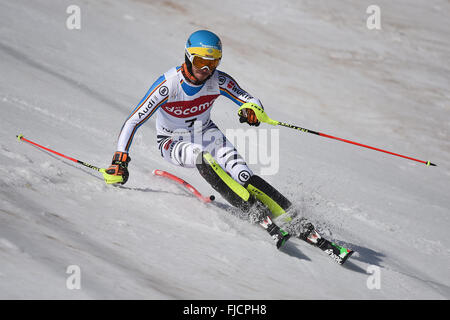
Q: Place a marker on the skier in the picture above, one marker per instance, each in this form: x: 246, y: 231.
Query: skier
x: 182, y: 99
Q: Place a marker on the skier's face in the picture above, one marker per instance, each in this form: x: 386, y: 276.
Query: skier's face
x: 201, y: 74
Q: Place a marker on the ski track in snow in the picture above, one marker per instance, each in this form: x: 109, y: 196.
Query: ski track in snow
x: 150, y: 239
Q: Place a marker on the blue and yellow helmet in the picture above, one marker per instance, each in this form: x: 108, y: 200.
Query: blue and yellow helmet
x: 205, y: 44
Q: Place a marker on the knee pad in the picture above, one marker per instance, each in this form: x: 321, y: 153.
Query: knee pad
x: 230, y: 160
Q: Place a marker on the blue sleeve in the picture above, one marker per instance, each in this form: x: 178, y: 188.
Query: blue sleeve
x: 230, y: 89
x: 155, y: 97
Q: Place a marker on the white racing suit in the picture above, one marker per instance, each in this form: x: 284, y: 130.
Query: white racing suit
x: 185, y: 130
x: 184, y: 127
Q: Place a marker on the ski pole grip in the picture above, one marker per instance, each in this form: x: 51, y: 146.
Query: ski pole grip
x: 259, y: 112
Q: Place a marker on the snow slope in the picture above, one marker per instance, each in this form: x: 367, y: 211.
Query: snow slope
x: 312, y: 63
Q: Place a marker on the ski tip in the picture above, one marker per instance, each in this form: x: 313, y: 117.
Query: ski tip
x: 347, y: 256
x: 19, y: 137
x: 431, y: 164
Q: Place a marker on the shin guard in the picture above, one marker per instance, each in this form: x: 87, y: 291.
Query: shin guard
x: 221, y: 181
x: 268, y: 195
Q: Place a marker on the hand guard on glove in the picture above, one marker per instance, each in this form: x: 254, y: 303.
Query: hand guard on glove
x: 118, y: 170
x: 249, y: 116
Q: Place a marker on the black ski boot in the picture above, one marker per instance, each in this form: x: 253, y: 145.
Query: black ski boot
x: 279, y: 235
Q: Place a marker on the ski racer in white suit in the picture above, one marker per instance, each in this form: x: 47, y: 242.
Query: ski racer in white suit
x: 182, y: 100
x: 183, y: 123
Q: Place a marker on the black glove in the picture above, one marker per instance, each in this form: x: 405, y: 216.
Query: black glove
x: 118, y: 167
x: 249, y: 116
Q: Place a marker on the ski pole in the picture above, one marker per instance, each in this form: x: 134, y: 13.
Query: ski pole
x: 20, y: 137
x: 263, y: 117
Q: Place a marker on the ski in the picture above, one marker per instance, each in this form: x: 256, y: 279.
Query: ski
x: 338, y: 253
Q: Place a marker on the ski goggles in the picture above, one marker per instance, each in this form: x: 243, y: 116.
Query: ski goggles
x: 201, y: 63
x: 204, y: 57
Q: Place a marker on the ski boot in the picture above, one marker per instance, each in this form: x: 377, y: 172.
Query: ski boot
x: 279, y: 235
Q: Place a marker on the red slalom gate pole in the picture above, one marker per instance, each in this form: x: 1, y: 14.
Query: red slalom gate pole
x: 180, y: 181
x: 20, y: 137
